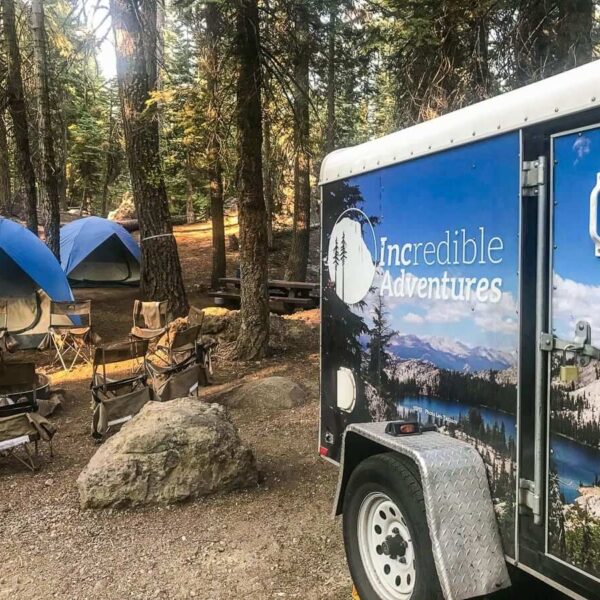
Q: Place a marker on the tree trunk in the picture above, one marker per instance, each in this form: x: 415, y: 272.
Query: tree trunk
x: 331, y: 64
x: 574, y: 33
x: 190, y: 216
x: 268, y: 176
x: 215, y: 169
x: 268, y: 165
x: 109, y: 160
x: 5, y: 183
x: 298, y: 259
x: 50, y: 198
x: 18, y: 113
x: 113, y: 153
x: 481, y: 76
x: 532, y: 46
x: 253, y: 339
x: 161, y: 277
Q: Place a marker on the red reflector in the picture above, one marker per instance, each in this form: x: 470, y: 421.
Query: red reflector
x: 324, y: 451
x: 408, y: 428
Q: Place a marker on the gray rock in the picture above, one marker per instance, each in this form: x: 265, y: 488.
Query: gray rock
x: 47, y: 407
x: 271, y: 392
x: 169, y: 452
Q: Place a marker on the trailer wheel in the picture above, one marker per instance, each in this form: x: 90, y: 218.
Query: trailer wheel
x: 386, y: 534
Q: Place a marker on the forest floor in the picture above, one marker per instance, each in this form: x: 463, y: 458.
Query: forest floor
x: 275, y: 541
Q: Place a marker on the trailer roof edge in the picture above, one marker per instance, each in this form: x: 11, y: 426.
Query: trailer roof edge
x: 571, y: 92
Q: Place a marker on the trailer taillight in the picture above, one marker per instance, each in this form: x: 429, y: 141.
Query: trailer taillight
x: 324, y: 451
x: 397, y: 428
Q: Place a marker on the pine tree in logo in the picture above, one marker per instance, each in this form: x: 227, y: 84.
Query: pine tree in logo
x: 343, y: 257
x: 336, y: 262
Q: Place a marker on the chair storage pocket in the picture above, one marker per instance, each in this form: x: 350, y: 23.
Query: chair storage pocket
x: 15, y: 426
x: 178, y: 384
x: 114, y: 409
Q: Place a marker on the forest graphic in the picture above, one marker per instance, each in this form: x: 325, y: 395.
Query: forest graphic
x: 477, y: 406
x: 340, y: 254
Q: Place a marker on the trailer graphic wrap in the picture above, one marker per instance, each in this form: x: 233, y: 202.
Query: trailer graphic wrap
x: 574, y: 461
x: 420, y: 293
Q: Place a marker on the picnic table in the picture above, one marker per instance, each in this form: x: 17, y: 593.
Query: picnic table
x: 284, y: 296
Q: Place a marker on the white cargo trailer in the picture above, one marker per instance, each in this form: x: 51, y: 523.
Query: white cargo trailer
x: 460, y: 360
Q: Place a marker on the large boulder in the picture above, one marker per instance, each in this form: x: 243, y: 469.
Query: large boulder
x: 169, y: 452
x: 271, y: 392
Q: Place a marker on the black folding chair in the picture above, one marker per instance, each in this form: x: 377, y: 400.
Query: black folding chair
x: 19, y: 429
x: 117, y: 400
x: 70, y: 332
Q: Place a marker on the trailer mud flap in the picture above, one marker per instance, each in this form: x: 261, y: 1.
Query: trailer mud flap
x: 467, y: 548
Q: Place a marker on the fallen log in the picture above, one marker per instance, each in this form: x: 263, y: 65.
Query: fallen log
x: 134, y: 224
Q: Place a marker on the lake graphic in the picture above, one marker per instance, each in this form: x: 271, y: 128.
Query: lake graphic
x: 577, y: 465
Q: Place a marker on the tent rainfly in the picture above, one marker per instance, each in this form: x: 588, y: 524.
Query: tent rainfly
x: 99, y: 252
x: 30, y: 277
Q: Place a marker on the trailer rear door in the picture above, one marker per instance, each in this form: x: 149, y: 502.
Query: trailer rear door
x: 572, y: 521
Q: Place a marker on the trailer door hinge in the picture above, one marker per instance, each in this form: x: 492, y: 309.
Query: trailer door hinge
x: 528, y: 497
x: 534, y: 175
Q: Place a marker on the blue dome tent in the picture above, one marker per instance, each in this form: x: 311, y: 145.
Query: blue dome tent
x: 98, y: 252
x: 30, y: 277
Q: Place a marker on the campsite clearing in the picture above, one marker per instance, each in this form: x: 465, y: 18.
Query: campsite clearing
x: 275, y: 541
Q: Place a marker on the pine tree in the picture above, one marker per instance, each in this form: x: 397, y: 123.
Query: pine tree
x: 18, y: 112
x: 50, y: 197
x: 253, y: 339
x: 161, y: 277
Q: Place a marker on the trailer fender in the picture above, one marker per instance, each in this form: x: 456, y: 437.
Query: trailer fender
x: 466, y: 543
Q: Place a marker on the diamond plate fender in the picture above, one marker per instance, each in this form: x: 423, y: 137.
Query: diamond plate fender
x: 462, y: 524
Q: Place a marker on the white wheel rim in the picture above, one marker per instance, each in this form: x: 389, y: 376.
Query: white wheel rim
x: 386, y: 548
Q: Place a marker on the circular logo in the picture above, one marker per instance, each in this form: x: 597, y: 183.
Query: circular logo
x: 352, y: 255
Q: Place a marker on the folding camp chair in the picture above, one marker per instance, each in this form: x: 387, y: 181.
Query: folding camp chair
x: 186, y: 366
x: 196, y: 317
x: 203, y: 345
x: 20, y: 425
x: 72, y: 341
x: 116, y: 401
x: 149, y: 320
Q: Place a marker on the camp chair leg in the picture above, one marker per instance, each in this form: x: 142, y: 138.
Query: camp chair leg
x: 28, y: 462
x: 57, y: 350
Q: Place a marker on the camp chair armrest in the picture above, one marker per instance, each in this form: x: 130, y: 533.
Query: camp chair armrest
x: 147, y: 334
x: 18, y: 441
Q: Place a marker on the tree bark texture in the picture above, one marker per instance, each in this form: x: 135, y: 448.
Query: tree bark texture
x: 298, y: 259
x: 331, y: 64
x: 161, y: 277
x: 18, y: 113
x: 574, y: 33
x: 268, y: 164
x: 215, y: 168
x: 5, y: 183
x: 533, y: 41
x: 253, y: 339
x: 50, y: 197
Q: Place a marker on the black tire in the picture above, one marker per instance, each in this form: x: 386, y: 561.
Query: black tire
x: 399, y: 479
